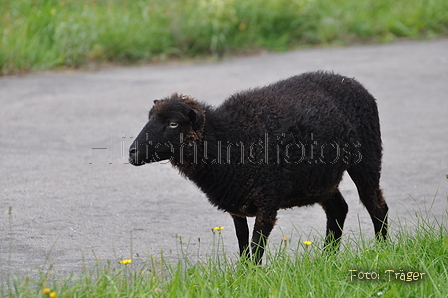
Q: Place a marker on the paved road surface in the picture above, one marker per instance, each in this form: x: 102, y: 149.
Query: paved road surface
x: 72, y: 204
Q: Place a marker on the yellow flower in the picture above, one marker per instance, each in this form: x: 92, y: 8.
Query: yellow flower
x: 46, y: 290
x: 53, y: 294
x: 242, y: 26
x: 307, y: 242
x: 217, y: 228
x: 126, y: 261
x: 285, y: 238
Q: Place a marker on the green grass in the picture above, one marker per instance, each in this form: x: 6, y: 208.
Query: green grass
x: 418, y: 246
x: 47, y: 34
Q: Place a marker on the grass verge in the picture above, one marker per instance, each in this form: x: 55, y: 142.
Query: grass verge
x: 413, y: 263
x: 46, y: 34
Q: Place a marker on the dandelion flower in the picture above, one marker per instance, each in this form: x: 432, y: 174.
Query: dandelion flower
x: 53, y: 294
x: 285, y: 238
x: 307, y: 242
x: 126, y: 261
x: 46, y: 290
x: 217, y: 228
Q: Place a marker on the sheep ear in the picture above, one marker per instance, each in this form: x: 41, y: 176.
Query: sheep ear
x: 156, y: 101
x: 195, y: 118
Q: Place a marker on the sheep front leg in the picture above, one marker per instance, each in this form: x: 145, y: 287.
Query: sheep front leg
x: 242, y: 233
x: 264, y: 223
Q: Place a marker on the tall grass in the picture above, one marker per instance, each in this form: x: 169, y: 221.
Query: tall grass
x: 413, y: 263
x: 40, y: 34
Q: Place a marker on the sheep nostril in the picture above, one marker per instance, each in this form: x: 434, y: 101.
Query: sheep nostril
x: 132, y: 151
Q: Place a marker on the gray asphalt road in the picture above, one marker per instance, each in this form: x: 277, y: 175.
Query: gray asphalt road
x: 72, y: 204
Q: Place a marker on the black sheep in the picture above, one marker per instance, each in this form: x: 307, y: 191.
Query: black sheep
x: 283, y: 145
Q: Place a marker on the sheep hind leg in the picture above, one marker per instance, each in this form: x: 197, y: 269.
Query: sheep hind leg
x: 336, y: 210
x: 366, y: 180
x: 242, y: 233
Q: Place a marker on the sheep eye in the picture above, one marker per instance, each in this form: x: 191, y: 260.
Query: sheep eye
x: 173, y: 125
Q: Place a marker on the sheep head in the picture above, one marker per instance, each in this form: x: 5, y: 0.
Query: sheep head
x: 173, y: 123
